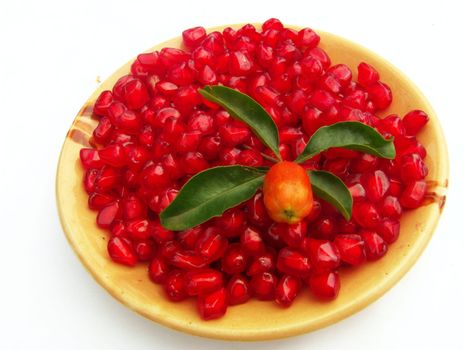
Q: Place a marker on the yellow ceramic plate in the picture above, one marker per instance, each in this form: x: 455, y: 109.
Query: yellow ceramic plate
x: 256, y: 320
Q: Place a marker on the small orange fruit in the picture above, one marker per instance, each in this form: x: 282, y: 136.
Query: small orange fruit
x: 288, y: 196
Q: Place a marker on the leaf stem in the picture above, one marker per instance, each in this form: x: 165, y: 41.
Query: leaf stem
x: 264, y: 155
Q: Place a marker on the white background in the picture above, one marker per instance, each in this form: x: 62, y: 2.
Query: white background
x: 51, y: 54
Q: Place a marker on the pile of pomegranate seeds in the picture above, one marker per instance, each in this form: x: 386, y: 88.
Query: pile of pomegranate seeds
x: 155, y: 131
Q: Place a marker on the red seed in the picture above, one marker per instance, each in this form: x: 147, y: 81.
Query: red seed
x: 389, y: 230
x: 376, y: 185
x: 144, y: 250
x: 213, y: 305
x: 102, y: 103
x: 211, y: 245
x: 188, y: 260
x: 366, y: 214
x: 380, y: 94
x: 391, y: 207
x: 251, y: 241
x: 234, y: 260
x: 174, y: 286
x: 158, y: 270
x: 293, y: 263
x: 287, y: 289
x: 202, y: 281
x: 90, y: 158
x: 193, y: 37
x: 413, y: 194
x: 121, y: 251
x: 414, y: 121
x: 325, y: 285
x: 263, y: 285
x: 351, y: 249
x: 374, y: 245
x: 113, y: 155
x: 367, y: 75
x: 323, y: 254
x: 238, y: 290
x: 264, y: 262
x: 107, y: 215
x: 413, y: 168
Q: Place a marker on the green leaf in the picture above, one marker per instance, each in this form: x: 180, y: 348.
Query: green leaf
x: 331, y: 188
x: 210, y: 193
x: 244, y: 108
x: 352, y: 135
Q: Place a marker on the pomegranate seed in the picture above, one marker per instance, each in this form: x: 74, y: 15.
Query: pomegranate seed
x: 107, y: 215
x: 264, y: 262
x: 238, y: 290
x: 213, y: 305
x: 272, y: 23
x: 367, y: 75
x: 351, y: 249
x: 188, y: 260
x: 158, y: 270
x: 168, y: 249
x: 389, y: 230
x: 366, y: 214
x: 144, y: 250
x: 263, y: 285
x: 121, y: 252
x: 414, y: 121
x: 211, y: 245
x: 323, y: 254
x: 257, y: 213
x: 103, y: 181
x: 193, y: 37
x: 325, y: 285
x: 287, y: 289
x: 293, y: 263
x: 308, y: 38
x: 234, y: 260
x: 98, y: 201
x: 90, y: 158
x: 174, y: 286
x: 103, y: 131
x: 113, y: 155
x: 413, y: 168
x: 102, y: 103
x: 413, y: 194
x: 376, y: 185
x: 139, y: 229
x: 380, y: 94
x: 202, y: 281
x: 391, y: 207
x: 374, y: 245
x: 251, y: 241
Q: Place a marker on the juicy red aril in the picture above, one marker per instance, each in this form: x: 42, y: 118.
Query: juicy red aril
x: 193, y: 37
x: 367, y: 75
x: 140, y: 229
x: 389, y: 230
x: 376, y: 185
x: 238, y: 290
x: 263, y: 285
x: 202, y: 281
x: 90, y: 158
x: 380, y: 94
x: 414, y: 121
x: 102, y: 103
x: 98, y: 201
x: 231, y: 222
x: 324, y: 285
x: 174, y: 286
x: 144, y: 250
x: 120, y: 250
x: 113, y: 155
x: 351, y: 248
x: 413, y: 168
x: 213, y: 305
x: 287, y: 289
x: 413, y: 194
x: 107, y: 215
x: 366, y: 214
x: 211, y: 245
x: 374, y: 245
x: 251, y: 241
x: 157, y: 270
x: 391, y: 207
x: 264, y: 262
x: 293, y: 263
x: 187, y: 260
x: 234, y: 260
x: 323, y: 254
